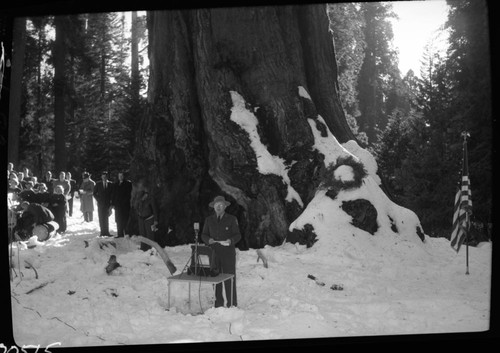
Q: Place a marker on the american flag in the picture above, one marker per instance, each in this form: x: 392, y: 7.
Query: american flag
x: 463, y: 205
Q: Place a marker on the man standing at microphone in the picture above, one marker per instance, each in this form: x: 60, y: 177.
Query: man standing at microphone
x: 221, y: 233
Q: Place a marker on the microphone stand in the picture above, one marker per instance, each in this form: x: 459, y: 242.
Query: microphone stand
x: 195, y: 255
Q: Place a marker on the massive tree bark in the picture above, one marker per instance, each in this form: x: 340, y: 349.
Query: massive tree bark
x: 202, y: 63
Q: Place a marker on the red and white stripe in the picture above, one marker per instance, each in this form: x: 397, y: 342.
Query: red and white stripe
x: 463, y: 208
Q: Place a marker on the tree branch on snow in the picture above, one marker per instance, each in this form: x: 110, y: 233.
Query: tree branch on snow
x: 171, y: 267
x: 25, y: 307
x: 38, y: 287
x: 32, y: 267
x: 261, y: 256
x: 17, y: 300
x: 55, y: 317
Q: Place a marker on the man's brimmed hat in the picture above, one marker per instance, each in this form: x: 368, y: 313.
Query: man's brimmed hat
x: 85, y: 175
x: 219, y: 199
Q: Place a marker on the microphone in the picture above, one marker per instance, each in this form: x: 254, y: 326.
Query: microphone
x: 195, y: 265
x: 196, y: 227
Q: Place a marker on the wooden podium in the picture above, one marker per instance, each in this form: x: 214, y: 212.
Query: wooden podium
x: 184, y: 277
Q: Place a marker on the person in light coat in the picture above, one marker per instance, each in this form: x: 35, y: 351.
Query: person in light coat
x: 72, y: 190
x: 63, y: 183
x: 86, y: 193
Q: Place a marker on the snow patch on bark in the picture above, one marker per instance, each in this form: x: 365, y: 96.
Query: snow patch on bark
x: 366, y: 158
x: 266, y: 162
x: 329, y: 146
x: 303, y: 93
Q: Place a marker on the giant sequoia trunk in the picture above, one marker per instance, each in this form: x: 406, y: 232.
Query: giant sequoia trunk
x: 209, y: 66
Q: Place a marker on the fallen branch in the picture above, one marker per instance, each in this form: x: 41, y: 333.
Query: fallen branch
x: 17, y: 300
x: 25, y: 307
x: 38, y: 287
x: 260, y: 255
x: 13, y: 269
x: 112, y: 264
x: 318, y: 282
x: 32, y: 267
x: 104, y: 243
x: 55, y: 317
x: 171, y: 267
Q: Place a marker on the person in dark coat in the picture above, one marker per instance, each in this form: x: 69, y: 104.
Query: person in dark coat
x: 221, y: 232
x: 28, y: 194
x: 121, y: 203
x: 42, y: 196
x: 34, y: 215
x: 103, y: 193
x: 147, y: 213
x: 48, y: 181
x: 58, y: 204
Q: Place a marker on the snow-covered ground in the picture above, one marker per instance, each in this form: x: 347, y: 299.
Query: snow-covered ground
x: 388, y: 283
x: 391, y: 286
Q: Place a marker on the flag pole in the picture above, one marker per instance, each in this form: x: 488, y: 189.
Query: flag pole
x: 467, y: 226
x: 467, y: 253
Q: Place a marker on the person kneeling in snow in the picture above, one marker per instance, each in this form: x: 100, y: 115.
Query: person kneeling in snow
x: 35, y: 220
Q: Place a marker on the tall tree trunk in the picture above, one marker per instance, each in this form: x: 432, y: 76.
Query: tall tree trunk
x: 273, y: 66
x: 367, y: 82
x: 321, y: 69
x: 134, y: 51
x: 16, y: 79
x: 59, y: 93
x: 38, y: 167
x: 135, y: 109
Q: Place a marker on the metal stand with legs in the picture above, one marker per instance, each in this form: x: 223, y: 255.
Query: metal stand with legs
x: 192, y: 273
x: 197, y: 279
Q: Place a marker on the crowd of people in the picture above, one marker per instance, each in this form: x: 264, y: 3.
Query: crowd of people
x: 44, y: 204
x: 41, y: 207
